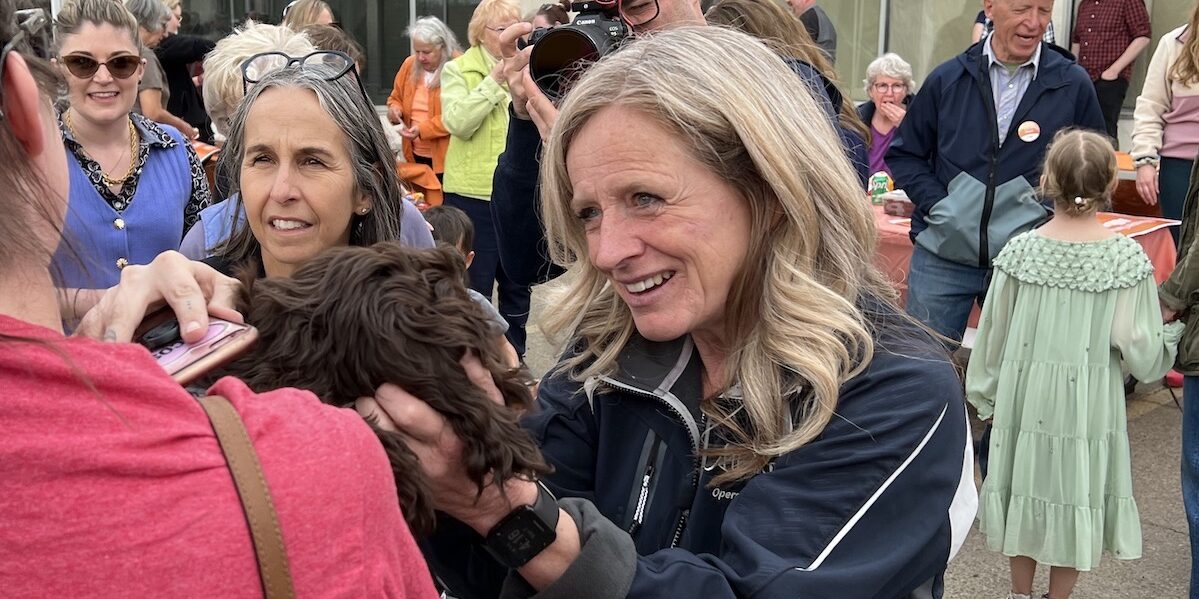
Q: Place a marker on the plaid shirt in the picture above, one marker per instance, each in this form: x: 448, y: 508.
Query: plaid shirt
x: 1104, y: 30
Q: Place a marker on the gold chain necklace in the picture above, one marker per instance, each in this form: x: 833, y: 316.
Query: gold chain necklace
x: 108, y: 180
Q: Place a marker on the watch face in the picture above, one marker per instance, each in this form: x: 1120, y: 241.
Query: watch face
x: 522, y: 536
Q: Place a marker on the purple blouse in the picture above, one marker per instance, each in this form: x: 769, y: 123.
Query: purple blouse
x: 879, y: 142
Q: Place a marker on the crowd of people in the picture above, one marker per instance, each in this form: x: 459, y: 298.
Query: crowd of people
x: 742, y: 406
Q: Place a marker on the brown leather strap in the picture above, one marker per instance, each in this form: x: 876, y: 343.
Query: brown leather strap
x: 255, y: 496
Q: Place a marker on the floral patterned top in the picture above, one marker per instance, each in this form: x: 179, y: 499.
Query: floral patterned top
x: 153, y: 138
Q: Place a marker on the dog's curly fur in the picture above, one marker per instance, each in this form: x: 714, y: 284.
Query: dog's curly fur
x: 353, y: 318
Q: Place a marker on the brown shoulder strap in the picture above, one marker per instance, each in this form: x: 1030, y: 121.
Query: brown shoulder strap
x: 255, y: 496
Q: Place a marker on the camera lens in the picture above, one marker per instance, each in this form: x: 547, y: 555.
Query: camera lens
x: 563, y: 53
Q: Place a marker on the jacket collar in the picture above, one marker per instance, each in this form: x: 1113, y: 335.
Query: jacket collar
x: 992, y: 60
x: 1051, y: 67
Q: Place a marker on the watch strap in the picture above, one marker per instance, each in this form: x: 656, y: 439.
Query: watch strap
x: 544, y: 509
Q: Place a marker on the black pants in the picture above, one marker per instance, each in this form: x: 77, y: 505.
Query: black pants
x: 417, y: 158
x: 1111, y: 99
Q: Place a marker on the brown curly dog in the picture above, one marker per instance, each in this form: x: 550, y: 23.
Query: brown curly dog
x: 353, y: 318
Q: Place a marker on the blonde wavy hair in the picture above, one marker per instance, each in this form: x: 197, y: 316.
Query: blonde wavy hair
x: 1185, y: 69
x: 487, y: 11
x: 793, y: 309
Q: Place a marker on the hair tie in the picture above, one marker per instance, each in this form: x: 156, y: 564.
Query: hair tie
x: 1079, y: 201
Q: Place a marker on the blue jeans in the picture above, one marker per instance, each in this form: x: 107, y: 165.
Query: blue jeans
x: 942, y: 293
x: 1190, y: 471
x: 486, y: 272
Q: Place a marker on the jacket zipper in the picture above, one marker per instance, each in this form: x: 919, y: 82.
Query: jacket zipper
x: 692, y: 435
x: 984, y: 249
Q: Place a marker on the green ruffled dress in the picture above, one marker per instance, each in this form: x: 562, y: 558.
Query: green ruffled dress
x: 1058, y: 319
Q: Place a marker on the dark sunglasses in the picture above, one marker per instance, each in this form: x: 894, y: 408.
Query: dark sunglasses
x: 334, y: 65
x: 85, y: 67
x: 29, y: 22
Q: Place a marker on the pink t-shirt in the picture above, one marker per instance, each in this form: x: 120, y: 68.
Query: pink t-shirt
x: 112, y: 484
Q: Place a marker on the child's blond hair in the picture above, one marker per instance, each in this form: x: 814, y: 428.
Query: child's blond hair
x: 1080, y: 171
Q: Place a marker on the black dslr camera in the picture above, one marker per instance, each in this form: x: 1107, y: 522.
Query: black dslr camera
x: 561, y: 54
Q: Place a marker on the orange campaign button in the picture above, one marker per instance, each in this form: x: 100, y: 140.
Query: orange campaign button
x: 1029, y: 131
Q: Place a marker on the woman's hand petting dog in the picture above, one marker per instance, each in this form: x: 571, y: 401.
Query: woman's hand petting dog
x: 439, y: 449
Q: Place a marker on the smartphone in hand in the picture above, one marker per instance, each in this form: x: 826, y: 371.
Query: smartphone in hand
x: 187, y: 362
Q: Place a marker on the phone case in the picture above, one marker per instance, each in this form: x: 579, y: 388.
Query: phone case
x: 188, y: 362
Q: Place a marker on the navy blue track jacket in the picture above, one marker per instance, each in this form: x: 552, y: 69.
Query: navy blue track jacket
x: 973, y: 194
x: 871, y: 508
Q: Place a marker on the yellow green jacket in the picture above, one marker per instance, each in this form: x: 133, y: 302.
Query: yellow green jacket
x: 474, y: 109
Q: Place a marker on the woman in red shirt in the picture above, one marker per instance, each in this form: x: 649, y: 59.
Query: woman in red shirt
x: 112, y: 482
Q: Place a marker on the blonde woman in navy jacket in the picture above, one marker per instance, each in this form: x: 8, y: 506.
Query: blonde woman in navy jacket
x: 136, y: 185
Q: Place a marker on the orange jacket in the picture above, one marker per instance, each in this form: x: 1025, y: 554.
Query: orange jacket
x: 432, y: 130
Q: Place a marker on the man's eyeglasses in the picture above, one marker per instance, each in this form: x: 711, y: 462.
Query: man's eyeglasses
x: 85, y: 67
x: 883, y: 88
x: 30, y: 22
x: 334, y: 65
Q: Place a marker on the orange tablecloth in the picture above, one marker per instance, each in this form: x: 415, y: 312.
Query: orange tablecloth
x: 895, y: 247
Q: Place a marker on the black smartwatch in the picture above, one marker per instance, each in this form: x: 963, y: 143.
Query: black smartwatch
x: 525, y: 532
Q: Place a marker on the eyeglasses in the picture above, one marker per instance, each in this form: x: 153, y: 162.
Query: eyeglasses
x: 883, y: 88
x: 30, y: 22
x: 334, y: 65
x: 635, y: 12
x: 85, y: 67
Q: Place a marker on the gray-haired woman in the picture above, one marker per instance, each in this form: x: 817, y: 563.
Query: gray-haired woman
x: 415, y: 101
x: 889, y: 84
x: 311, y: 168
x: 153, y: 92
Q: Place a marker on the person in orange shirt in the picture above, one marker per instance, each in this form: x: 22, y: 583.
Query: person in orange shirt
x: 415, y: 101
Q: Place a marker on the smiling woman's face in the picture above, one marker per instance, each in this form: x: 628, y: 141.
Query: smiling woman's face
x: 297, y: 179
x: 101, y: 98
x: 670, y: 235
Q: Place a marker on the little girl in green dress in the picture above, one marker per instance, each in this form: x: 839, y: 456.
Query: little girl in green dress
x: 1067, y: 303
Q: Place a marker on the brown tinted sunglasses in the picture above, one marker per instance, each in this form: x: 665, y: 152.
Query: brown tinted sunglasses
x: 85, y: 67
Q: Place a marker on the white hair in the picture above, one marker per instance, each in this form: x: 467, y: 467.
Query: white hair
x: 435, y: 32
x: 223, y: 88
x: 890, y: 65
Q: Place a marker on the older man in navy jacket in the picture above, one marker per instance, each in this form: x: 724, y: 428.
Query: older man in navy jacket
x: 969, y: 155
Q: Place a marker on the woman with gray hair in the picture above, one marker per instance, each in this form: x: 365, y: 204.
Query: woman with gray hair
x: 889, y: 84
x: 415, y: 101
x: 153, y: 92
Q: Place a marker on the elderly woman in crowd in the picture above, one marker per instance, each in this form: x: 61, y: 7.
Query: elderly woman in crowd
x: 474, y: 109
x: 742, y: 410
x: 889, y: 84
x: 224, y: 89
x: 153, y: 93
x: 415, y: 101
x: 136, y: 185
x: 302, y: 13
x: 177, y: 53
x: 112, y: 482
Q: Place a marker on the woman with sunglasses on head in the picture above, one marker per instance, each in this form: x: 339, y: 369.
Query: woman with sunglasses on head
x: 112, y: 483
x: 261, y: 47
x: 136, y: 185
x: 153, y: 93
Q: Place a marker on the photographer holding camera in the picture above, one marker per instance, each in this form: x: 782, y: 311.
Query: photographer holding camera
x: 514, y: 203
